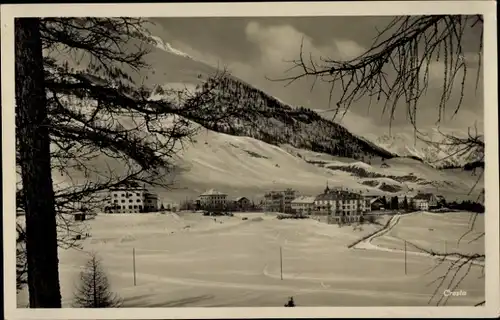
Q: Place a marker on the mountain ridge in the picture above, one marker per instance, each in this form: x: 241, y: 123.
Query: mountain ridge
x: 240, y: 109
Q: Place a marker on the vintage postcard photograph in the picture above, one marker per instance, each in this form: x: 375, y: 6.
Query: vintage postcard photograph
x: 249, y: 160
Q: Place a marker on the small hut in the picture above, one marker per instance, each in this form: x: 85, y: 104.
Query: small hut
x: 79, y: 216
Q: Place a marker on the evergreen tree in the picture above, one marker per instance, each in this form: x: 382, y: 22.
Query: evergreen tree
x: 93, y: 290
x: 384, y: 202
x: 394, y: 203
x: 406, y: 206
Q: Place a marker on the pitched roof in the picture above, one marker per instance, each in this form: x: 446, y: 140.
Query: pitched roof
x: 304, y: 199
x: 423, y: 196
x: 213, y: 192
x: 339, y: 195
x: 407, y: 195
x: 240, y: 198
x: 375, y: 200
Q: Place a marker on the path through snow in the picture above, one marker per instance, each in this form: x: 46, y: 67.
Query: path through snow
x: 368, y: 245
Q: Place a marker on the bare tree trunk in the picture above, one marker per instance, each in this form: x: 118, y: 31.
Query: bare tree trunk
x: 34, y: 150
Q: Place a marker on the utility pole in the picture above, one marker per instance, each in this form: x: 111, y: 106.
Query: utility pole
x: 405, y: 259
x: 281, y: 263
x: 133, y: 259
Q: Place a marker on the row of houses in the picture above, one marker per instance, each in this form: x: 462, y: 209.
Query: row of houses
x: 336, y: 202
x: 348, y: 206
x: 420, y: 201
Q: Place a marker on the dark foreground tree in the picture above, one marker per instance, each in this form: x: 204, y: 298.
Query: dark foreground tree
x: 21, y: 263
x: 32, y: 131
x: 395, y: 71
x: 93, y: 289
x: 86, y: 101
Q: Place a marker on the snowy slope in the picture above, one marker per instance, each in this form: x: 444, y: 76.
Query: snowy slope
x: 243, y: 166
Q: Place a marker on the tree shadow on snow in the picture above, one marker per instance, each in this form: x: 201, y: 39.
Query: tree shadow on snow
x: 142, y: 301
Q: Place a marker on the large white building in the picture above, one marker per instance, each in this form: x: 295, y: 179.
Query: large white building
x: 131, y: 199
x: 424, y: 201
x: 303, y: 205
x: 341, y: 205
x: 213, y: 199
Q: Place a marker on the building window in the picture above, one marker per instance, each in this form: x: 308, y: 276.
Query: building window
x: 130, y: 200
x: 138, y: 194
x: 130, y: 207
x: 138, y: 200
x: 123, y: 201
x: 135, y: 207
x: 116, y: 201
x: 115, y: 195
x: 123, y: 194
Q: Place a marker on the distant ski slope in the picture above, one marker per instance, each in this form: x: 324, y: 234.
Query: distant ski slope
x: 243, y: 166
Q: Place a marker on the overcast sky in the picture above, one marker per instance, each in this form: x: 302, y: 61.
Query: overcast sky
x: 253, y: 48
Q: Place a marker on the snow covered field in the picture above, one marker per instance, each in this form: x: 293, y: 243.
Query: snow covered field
x: 437, y: 232
x: 188, y: 260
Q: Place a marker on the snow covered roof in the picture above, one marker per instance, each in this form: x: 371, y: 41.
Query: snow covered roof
x: 372, y: 194
x: 423, y: 196
x: 375, y: 199
x: 339, y: 195
x: 240, y: 198
x: 407, y: 195
x: 304, y: 199
x: 213, y: 192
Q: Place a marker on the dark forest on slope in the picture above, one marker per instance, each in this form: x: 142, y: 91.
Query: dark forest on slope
x: 242, y: 110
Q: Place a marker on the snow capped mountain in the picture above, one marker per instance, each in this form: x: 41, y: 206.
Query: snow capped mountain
x: 253, y: 113
x: 433, y: 149
x: 431, y: 146
x: 167, y: 47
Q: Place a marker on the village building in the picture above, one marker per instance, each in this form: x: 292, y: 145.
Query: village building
x: 213, y: 199
x: 377, y: 204
x: 424, y: 201
x: 274, y: 201
x: 341, y: 205
x: 441, y: 201
x: 289, y: 195
x: 279, y: 201
x: 303, y: 205
x: 169, y: 206
x: 409, y: 197
x: 241, y: 204
x: 131, y: 199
